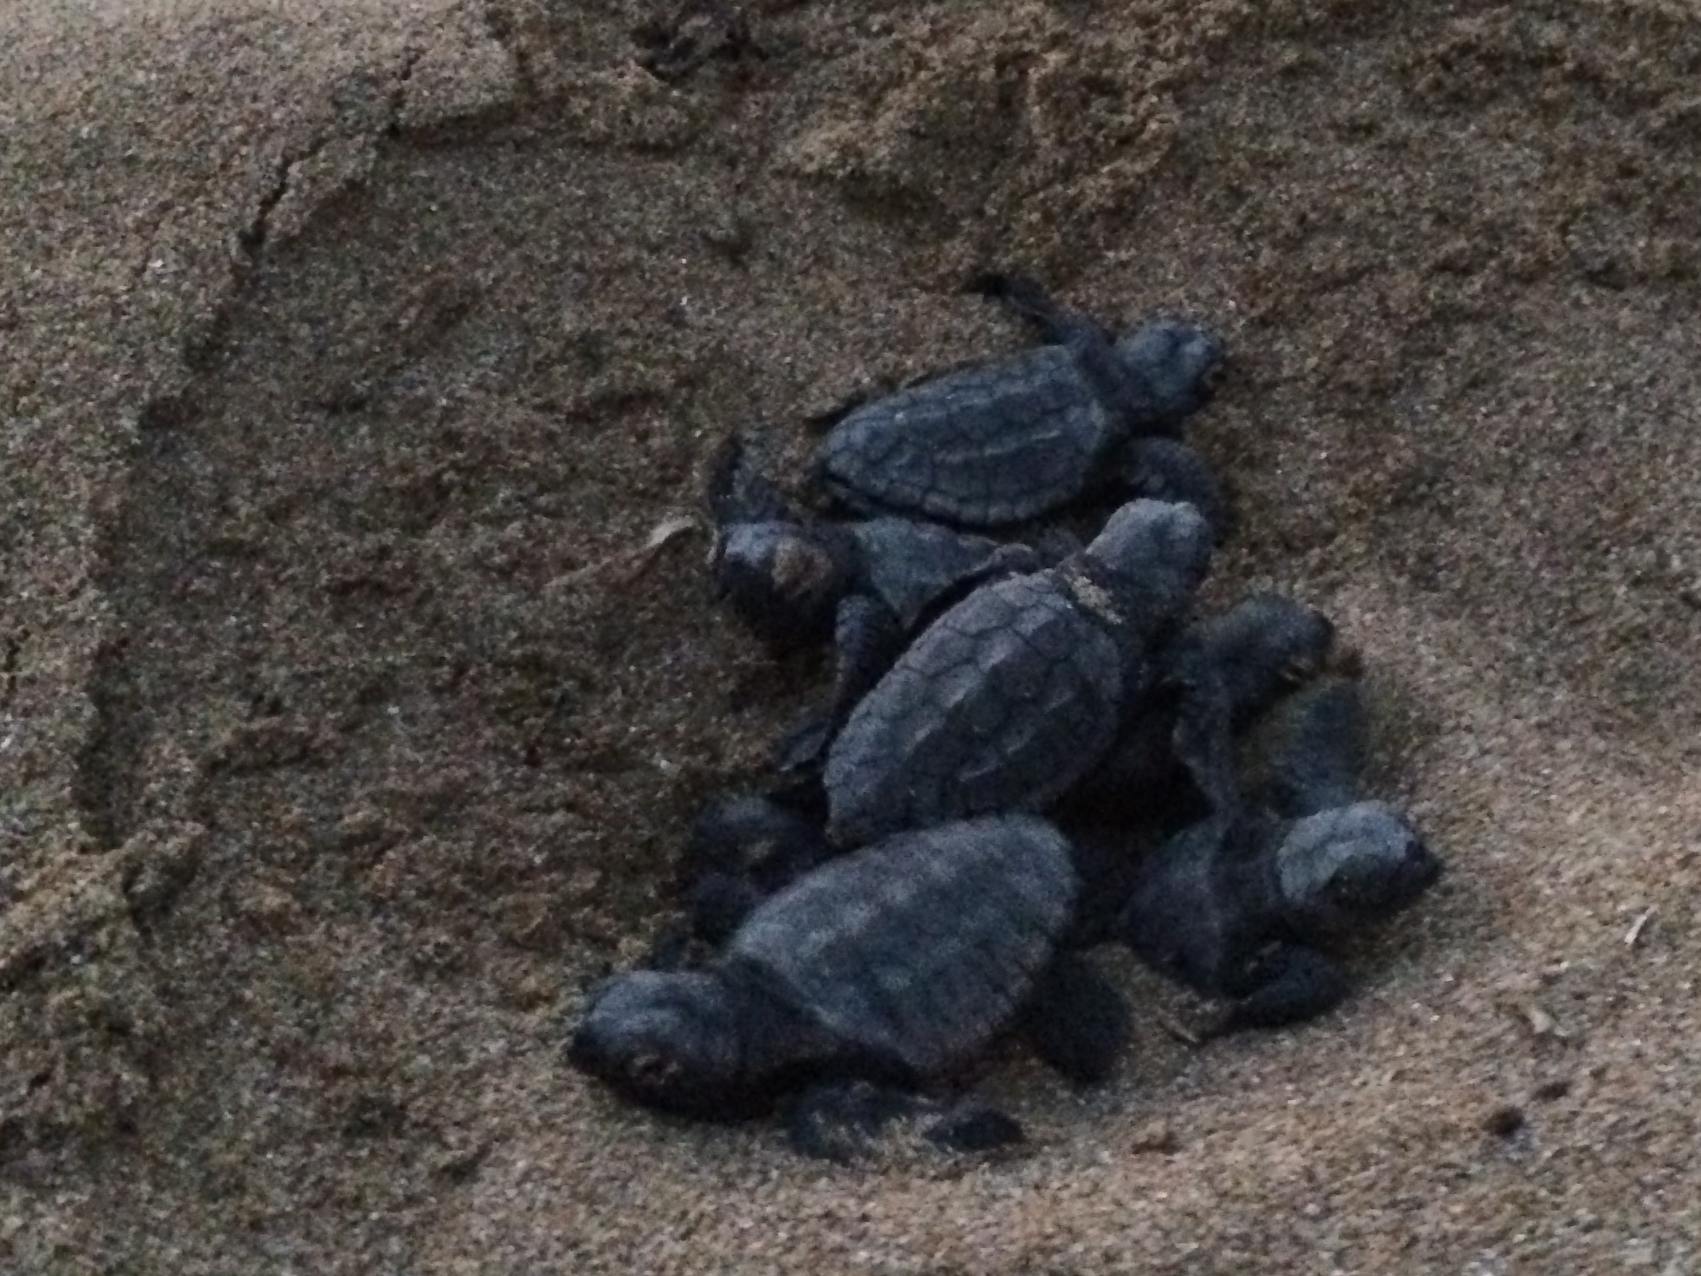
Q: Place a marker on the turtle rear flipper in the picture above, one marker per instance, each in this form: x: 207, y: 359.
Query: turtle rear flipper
x: 1078, y: 1022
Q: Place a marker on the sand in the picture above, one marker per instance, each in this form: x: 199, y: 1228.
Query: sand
x: 349, y: 352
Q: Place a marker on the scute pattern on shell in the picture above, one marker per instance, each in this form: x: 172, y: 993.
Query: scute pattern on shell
x: 922, y: 947
x: 909, y: 563
x: 984, y: 446
x: 1000, y: 705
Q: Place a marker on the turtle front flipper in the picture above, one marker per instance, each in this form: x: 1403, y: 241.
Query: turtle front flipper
x: 1307, y: 756
x: 738, y: 492
x: 867, y: 638
x: 671, y: 949
x: 1054, y: 324
x: 841, y: 1121
x: 1119, y: 385
x: 1174, y: 755
x: 1078, y: 1022
x: 719, y: 904
x: 742, y: 850
x: 1285, y: 984
x: 1203, y: 735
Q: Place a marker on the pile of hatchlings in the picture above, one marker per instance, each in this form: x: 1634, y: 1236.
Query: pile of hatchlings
x: 1032, y: 747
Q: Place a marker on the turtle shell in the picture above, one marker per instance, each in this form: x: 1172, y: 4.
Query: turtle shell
x: 986, y: 446
x: 921, y: 948
x: 1001, y: 704
x: 910, y: 565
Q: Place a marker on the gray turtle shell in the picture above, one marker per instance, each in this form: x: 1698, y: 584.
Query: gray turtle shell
x: 924, y: 947
x: 989, y: 445
x: 909, y: 565
x: 1001, y: 704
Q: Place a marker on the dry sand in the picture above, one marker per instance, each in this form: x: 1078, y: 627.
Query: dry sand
x: 349, y: 348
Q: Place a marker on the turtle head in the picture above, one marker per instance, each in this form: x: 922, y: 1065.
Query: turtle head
x: 783, y: 579
x: 1160, y: 549
x: 1174, y: 360
x: 1353, y: 864
x: 668, y: 1040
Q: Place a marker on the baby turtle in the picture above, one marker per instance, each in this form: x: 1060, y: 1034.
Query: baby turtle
x: 1240, y: 904
x: 1017, y: 691
x: 1215, y: 675
x: 899, y: 964
x: 1004, y: 442
x: 789, y: 576
x: 870, y: 584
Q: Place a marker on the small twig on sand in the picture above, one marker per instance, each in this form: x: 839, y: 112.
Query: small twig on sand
x: 636, y: 559
x: 1634, y: 935
x: 1543, y: 1024
x: 1180, y: 1031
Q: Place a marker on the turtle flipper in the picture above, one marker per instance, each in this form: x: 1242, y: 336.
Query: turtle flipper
x: 1078, y: 1022
x: 741, y: 850
x: 738, y: 492
x: 868, y: 638
x: 1289, y: 983
x: 840, y: 1121
x: 1203, y: 736
x: 719, y: 904
x: 1053, y: 323
x: 671, y: 948
x: 1308, y: 754
x: 1116, y: 381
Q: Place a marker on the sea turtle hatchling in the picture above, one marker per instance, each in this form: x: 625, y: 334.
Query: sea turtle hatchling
x: 1007, y: 441
x: 789, y: 576
x: 1240, y: 904
x: 1016, y: 692
x: 868, y: 583
x: 898, y: 964
x: 871, y: 583
x: 1215, y: 675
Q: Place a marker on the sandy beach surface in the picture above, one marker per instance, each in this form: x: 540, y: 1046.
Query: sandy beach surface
x: 350, y: 351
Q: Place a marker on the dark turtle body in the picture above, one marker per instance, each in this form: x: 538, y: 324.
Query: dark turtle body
x: 1210, y: 681
x: 1008, y: 441
x: 1241, y: 904
x: 899, y: 963
x: 1016, y: 692
x: 1170, y: 765
x: 867, y: 583
x: 786, y: 574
